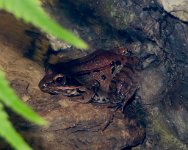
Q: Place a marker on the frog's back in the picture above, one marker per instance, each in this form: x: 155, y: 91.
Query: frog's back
x: 98, y: 59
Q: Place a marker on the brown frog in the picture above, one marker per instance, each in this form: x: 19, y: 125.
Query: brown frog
x: 108, y: 77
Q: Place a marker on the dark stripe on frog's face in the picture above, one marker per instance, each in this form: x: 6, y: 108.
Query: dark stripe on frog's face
x: 55, y: 84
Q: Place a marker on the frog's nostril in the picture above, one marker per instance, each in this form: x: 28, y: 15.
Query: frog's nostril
x: 44, y: 86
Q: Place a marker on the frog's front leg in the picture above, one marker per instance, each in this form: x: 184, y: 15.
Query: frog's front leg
x: 122, y: 99
x: 83, y: 97
x: 98, y: 97
x: 92, y: 94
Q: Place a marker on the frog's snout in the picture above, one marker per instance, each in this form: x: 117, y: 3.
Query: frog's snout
x: 43, y: 86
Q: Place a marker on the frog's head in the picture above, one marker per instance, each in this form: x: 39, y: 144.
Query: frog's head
x: 61, y: 84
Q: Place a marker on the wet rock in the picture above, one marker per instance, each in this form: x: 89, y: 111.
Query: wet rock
x: 118, y: 13
x: 84, y: 127
x: 176, y: 8
x: 57, y: 44
x: 12, y: 31
x: 21, y: 88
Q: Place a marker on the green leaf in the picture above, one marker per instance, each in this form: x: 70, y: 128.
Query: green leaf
x: 9, y: 98
x: 8, y: 132
x: 31, y: 11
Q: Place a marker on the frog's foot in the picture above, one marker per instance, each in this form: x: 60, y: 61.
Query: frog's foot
x: 94, y: 85
x: 116, y: 106
x: 121, y: 105
x: 99, y: 98
x: 108, y: 122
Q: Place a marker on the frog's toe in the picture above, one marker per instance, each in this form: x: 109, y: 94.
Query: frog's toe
x: 116, y: 106
x: 100, y: 100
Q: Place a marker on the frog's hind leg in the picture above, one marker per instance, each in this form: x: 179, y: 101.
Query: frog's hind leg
x: 123, y: 104
x: 128, y: 101
x: 120, y: 95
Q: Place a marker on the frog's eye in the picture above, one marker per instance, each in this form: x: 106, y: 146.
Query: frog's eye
x: 60, y: 80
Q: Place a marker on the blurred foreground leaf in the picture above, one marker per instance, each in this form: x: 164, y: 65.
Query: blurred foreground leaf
x: 31, y: 11
x: 8, y: 132
x: 9, y: 99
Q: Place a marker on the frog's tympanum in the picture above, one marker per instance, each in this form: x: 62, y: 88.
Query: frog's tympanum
x: 108, y: 77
